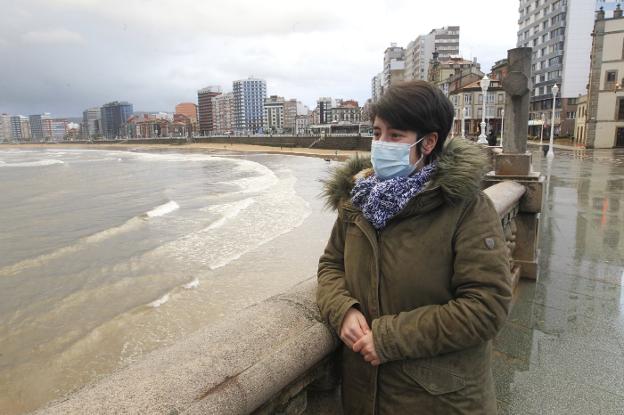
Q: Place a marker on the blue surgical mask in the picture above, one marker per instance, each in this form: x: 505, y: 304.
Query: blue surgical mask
x: 393, y: 159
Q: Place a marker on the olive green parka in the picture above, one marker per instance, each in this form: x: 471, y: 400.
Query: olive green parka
x: 434, y: 286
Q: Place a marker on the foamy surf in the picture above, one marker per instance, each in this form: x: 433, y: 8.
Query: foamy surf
x: 38, y: 163
x: 163, y: 210
x: 229, y: 211
x: 157, y: 303
x: 192, y: 284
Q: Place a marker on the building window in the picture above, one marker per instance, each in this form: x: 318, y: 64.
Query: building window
x: 610, y: 79
x: 620, y: 109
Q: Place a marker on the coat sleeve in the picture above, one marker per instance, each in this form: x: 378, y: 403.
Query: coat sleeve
x: 481, y: 285
x: 332, y: 295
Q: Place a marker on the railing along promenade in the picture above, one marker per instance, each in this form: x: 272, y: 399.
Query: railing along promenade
x: 278, y: 357
x: 270, y: 358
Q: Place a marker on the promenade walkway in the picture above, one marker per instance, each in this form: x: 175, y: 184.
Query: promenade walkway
x: 562, y: 349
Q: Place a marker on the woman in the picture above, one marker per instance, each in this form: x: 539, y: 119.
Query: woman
x: 415, y: 276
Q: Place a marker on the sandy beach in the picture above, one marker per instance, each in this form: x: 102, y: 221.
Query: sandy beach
x: 339, y: 155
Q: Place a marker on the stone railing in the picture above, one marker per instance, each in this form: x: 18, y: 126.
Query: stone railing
x: 275, y: 357
x: 506, y: 197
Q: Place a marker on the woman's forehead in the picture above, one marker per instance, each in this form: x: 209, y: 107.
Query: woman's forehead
x: 379, y: 123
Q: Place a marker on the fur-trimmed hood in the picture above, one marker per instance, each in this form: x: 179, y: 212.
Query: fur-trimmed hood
x: 461, y: 167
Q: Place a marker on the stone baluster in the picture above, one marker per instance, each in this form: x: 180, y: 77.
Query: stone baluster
x: 514, y: 163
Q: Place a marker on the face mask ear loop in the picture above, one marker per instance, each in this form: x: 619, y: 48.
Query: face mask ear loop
x: 422, y: 156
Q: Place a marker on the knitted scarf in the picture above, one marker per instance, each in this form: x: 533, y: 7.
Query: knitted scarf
x: 381, y: 200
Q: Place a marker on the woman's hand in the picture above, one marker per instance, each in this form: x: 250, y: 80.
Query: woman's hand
x: 354, y: 326
x: 366, y: 347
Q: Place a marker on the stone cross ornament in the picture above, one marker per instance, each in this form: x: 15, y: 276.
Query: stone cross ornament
x: 517, y: 86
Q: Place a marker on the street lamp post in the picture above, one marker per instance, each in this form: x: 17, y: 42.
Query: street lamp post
x: 485, y: 84
x: 463, y: 122
x: 542, y: 133
x: 551, y: 152
x: 502, y: 126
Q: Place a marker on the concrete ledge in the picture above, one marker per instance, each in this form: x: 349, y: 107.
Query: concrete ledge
x: 531, y: 202
x: 233, y: 367
x: 505, y: 195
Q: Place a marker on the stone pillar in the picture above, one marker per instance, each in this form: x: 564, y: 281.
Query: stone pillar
x: 515, y: 160
x: 514, y: 163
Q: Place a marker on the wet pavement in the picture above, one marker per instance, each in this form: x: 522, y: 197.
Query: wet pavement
x: 562, y: 348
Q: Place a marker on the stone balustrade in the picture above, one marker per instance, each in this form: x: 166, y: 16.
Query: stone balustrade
x: 275, y: 357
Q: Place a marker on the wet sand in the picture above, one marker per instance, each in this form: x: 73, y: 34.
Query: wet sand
x: 205, y: 147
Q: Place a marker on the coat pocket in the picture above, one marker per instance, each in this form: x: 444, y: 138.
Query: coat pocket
x: 434, y: 379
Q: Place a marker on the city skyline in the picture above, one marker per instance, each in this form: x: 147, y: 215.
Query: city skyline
x: 69, y: 55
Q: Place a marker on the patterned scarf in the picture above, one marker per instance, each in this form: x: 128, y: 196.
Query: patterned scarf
x: 381, y: 200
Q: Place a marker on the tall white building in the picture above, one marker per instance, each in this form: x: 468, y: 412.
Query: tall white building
x: 323, y: 106
x: 223, y: 113
x: 273, y: 114
x: 376, y: 88
x: 249, y: 95
x: 91, y: 122
x: 560, y: 33
x: 290, y: 115
x: 394, y: 65
x: 20, y: 128
x: 5, y: 127
x: 419, y: 52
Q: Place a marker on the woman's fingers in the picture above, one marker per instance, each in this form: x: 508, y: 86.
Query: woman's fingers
x: 362, y: 323
x: 357, y: 346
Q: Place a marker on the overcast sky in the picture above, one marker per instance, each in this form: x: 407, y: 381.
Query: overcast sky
x: 63, y: 56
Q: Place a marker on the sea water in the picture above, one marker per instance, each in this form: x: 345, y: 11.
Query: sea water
x: 106, y: 255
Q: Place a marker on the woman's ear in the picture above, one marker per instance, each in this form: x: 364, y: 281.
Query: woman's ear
x: 429, y: 143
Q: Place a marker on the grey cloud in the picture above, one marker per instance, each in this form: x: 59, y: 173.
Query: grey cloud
x: 238, y: 18
x: 54, y: 36
x: 158, y: 53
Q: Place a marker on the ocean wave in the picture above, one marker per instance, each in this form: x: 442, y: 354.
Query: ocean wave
x: 157, y: 303
x: 86, y: 241
x: 38, y: 163
x: 228, y: 238
x: 256, y: 184
x: 229, y: 211
x: 261, y: 177
x: 192, y: 284
x: 163, y: 210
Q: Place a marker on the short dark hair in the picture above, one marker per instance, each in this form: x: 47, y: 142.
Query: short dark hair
x: 416, y: 106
